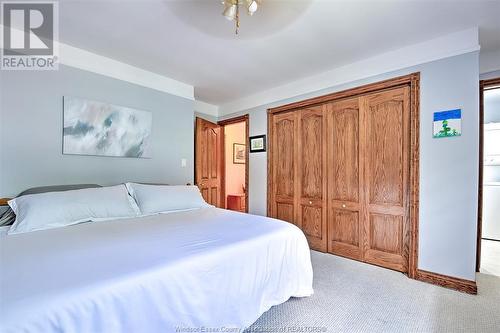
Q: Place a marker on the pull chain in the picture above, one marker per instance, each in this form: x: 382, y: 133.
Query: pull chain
x: 237, y: 18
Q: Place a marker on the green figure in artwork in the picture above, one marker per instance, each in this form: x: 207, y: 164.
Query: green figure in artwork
x: 446, y: 129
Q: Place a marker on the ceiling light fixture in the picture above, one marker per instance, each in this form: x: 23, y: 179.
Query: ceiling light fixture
x: 232, y: 9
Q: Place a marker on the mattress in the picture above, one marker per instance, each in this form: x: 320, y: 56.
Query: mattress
x: 186, y: 270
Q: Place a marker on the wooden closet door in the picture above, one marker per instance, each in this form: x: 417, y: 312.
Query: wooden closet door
x: 344, y: 207
x: 385, y: 149
x: 283, y: 166
x: 311, y: 211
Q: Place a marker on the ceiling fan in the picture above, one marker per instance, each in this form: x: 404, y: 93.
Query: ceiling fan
x: 232, y: 9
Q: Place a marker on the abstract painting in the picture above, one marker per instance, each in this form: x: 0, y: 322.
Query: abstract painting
x: 101, y: 129
x: 447, y: 123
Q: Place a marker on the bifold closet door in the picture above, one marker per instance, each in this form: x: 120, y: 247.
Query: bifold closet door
x: 311, y: 180
x: 384, y: 142
x: 283, y: 167
x: 344, y: 197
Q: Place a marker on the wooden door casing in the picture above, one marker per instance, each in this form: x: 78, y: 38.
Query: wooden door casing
x: 208, y: 161
x: 385, y: 118
x: 345, y: 230
x: 311, y: 181
x: 284, y: 171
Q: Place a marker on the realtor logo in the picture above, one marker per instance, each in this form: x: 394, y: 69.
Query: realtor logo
x: 29, y: 35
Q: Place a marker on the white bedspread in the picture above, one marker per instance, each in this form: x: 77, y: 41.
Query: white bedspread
x: 172, y: 272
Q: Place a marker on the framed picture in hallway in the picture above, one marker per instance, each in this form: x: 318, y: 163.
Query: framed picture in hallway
x: 239, y: 153
x: 257, y: 144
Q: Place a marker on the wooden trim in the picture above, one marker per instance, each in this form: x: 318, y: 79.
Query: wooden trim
x: 411, y: 80
x: 483, y: 85
x: 414, y: 172
x: 269, y: 160
x: 3, y: 201
x: 247, y: 166
x: 480, y: 178
x: 462, y: 285
x: 244, y: 118
x: 223, y: 166
x: 368, y: 88
x: 238, y: 119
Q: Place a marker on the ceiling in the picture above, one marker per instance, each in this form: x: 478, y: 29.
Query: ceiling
x: 189, y: 40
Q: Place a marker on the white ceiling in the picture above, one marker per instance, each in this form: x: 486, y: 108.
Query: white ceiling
x: 189, y: 40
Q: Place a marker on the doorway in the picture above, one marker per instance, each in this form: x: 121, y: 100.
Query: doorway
x: 221, y: 162
x: 488, y: 243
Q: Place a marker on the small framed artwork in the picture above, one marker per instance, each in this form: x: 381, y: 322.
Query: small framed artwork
x: 447, y: 123
x: 239, y: 153
x: 257, y: 144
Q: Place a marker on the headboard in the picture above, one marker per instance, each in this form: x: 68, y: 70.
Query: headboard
x: 3, y: 201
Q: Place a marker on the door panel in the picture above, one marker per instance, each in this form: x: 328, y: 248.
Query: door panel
x: 312, y: 176
x: 386, y: 233
x: 344, y: 179
x: 283, y: 161
x: 285, y: 157
x: 312, y: 218
x: 386, y: 159
x: 385, y: 151
x: 284, y: 212
x: 208, y: 164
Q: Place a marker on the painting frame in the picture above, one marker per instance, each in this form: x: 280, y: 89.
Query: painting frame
x: 257, y: 143
x: 239, y: 153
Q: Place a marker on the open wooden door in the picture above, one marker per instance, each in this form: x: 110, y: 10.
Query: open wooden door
x: 208, y: 161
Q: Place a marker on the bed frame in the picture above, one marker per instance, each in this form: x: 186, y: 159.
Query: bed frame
x: 3, y: 201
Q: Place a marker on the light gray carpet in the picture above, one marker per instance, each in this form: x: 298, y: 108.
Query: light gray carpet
x: 355, y: 297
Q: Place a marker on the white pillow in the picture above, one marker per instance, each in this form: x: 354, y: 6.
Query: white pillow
x: 153, y: 199
x: 58, y: 209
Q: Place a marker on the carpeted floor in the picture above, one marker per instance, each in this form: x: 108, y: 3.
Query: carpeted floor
x: 355, y: 297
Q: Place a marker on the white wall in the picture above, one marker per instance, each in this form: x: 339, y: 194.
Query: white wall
x: 489, y: 61
x: 448, y: 167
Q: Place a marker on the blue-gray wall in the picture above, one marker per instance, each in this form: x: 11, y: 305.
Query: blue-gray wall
x: 31, y: 110
x: 448, y: 167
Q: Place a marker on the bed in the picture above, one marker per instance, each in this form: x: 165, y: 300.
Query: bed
x: 180, y: 271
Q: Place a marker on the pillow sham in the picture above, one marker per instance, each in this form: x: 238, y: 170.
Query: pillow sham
x: 8, y: 217
x: 58, y: 209
x: 153, y: 199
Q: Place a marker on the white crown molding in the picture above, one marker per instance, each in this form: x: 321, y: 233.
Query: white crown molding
x: 85, y: 60
x: 206, y: 108
x: 457, y: 43
x: 78, y: 58
x: 489, y: 61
